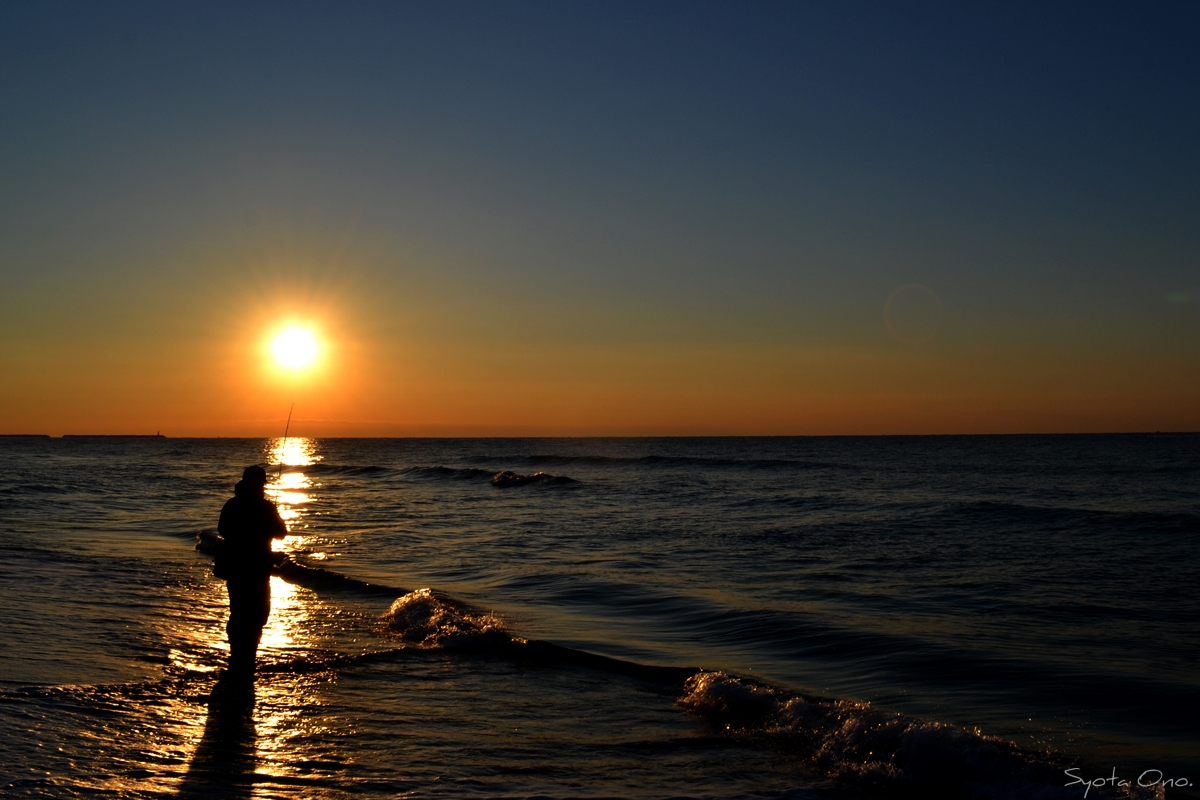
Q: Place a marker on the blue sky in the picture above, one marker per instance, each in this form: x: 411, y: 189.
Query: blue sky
x: 619, y: 182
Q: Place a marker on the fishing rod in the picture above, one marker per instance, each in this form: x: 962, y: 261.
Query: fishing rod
x: 283, y: 446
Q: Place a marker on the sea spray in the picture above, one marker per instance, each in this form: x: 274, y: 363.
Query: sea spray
x: 431, y: 622
x: 863, y: 745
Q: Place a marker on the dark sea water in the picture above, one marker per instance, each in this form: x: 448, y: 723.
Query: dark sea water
x: 765, y: 617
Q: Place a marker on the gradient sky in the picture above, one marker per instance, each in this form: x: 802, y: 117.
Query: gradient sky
x: 600, y: 218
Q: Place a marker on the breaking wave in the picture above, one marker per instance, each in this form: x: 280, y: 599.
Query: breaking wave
x: 859, y: 744
x: 506, y: 479
x: 849, y: 742
x: 431, y: 622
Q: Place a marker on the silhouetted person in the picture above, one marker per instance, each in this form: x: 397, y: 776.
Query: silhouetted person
x: 248, y: 524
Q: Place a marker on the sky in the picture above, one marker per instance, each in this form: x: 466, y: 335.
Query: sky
x: 604, y: 218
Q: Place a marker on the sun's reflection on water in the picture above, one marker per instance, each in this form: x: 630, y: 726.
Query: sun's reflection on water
x: 193, y: 732
x: 261, y: 740
x: 291, y: 491
x: 285, y: 628
x: 295, y: 451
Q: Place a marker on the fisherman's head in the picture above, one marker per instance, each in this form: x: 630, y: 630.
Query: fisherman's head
x: 254, y: 478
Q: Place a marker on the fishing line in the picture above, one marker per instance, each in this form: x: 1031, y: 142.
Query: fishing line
x: 283, y: 445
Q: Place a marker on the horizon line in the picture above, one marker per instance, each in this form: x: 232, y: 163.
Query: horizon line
x: 617, y: 436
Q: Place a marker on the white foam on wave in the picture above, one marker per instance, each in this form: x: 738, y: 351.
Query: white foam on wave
x: 432, y: 622
x: 864, y: 745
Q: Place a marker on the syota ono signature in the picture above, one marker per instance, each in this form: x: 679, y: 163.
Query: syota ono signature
x: 1148, y: 779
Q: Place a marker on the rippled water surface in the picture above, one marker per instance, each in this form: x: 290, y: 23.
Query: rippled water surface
x: 812, y: 617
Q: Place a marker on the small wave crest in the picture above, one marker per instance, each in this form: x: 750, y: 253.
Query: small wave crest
x: 863, y: 745
x: 441, y: 623
x: 451, y: 473
x: 365, y: 470
x: 507, y: 479
x: 340, y: 469
x: 503, y: 479
x: 319, y: 580
x: 683, y: 461
x: 431, y: 622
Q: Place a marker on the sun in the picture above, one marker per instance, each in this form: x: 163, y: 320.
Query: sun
x: 295, y: 348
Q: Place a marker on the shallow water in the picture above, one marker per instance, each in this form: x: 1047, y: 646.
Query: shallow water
x: 1009, y: 607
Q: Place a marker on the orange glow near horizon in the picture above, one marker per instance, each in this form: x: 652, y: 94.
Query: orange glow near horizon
x: 429, y: 369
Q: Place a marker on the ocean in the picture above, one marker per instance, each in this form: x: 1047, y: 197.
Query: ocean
x: 825, y: 617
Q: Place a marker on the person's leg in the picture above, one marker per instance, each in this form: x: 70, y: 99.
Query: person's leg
x: 249, y: 608
x: 262, y: 608
x: 241, y: 627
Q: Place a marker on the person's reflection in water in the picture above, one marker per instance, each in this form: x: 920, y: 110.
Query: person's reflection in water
x: 224, y: 761
x: 248, y: 524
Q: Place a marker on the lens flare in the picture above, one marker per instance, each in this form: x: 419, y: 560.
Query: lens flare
x: 295, y: 348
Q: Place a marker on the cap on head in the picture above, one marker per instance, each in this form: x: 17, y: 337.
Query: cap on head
x: 255, y: 475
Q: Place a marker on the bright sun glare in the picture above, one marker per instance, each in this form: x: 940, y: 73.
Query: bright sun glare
x: 295, y: 348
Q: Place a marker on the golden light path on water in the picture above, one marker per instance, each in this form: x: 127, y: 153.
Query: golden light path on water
x: 291, y: 492
x: 251, y: 748
x: 194, y: 740
x: 288, y: 628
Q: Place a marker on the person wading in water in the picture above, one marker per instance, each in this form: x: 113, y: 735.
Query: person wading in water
x: 249, y: 521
